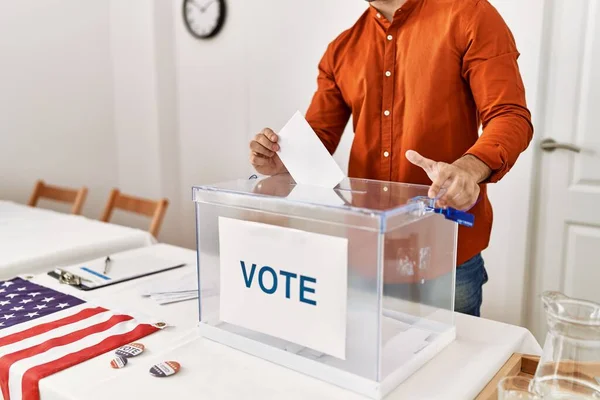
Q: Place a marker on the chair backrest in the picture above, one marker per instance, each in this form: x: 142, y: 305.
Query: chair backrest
x: 66, y: 195
x: 150, y: 208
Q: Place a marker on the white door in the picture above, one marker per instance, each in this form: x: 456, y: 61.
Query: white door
x: 566, y: 252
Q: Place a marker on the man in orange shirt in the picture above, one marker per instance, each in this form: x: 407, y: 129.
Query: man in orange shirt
x: 418, y: 78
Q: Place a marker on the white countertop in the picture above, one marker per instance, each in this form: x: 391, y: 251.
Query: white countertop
x: 213, y: 371
x: 34, y: 239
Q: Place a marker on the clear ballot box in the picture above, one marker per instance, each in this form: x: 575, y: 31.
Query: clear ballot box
x: 352, y: 285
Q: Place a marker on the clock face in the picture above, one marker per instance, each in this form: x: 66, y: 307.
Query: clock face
x: 204, y: 18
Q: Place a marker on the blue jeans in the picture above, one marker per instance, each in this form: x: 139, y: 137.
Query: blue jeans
x: 470, y: 278
x: 468, y: 296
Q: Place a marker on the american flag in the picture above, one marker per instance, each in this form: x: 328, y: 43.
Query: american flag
x: 43, y: 331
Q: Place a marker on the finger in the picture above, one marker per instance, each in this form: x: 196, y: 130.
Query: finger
x: 468, y: 197
x: 443, y: 175
x: 418, y: 160
x: 455, y: 191
x: 260, y: 155
x: 257, y: 160
x: 266, y: 141
x: 258, y: 148
x: 272, y: 136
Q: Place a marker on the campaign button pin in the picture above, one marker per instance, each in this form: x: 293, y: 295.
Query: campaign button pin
x: 130, y: 350
x: 166, y: 368
x: 118, y: 362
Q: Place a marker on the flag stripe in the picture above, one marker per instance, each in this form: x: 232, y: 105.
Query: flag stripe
x: 23, y: 326
x: 7, y: 362
x: 18, y: 369
x: 98, y: 324
x: 93, y: 319
x: 44, y: 331
x: 32, y: 377
x: 8, y: 351
x: 37, y: 329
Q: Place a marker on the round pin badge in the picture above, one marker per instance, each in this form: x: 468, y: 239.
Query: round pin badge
x: 166, y: 368
x: 118, y: 362
x: 130, y: 350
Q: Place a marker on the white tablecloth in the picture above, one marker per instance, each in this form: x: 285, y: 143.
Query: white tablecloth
x: 213, y: 371
x: 34, y: 240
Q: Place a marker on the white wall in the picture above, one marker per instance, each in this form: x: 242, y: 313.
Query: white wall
x: 282, y: 68
x: 507, y: 256
x: 256, y: 73
x: 135, y: 96
x: 56, y: 100
x: 212, y: 107
x: 88, y: 97
x: 145, y: 107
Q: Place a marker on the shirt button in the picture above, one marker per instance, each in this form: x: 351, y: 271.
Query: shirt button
x: 386, y: 154
x: 378, y: 15
x: 389, y: 37
x: 386, y: 112
x: 388, y: 73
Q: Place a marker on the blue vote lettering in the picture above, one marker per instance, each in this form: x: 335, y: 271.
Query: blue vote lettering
x: 261, y: 280
x: 271, y: 284
x: 304, y: 288
x: 288, y: 276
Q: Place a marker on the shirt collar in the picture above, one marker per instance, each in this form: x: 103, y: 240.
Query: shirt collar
x: 405, y: 9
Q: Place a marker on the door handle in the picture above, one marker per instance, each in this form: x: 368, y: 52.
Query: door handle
x: 550, y: 145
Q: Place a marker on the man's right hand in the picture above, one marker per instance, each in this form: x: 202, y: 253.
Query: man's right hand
x: 263, y: 153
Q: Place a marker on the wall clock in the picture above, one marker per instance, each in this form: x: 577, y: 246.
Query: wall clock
x: 204, y: 18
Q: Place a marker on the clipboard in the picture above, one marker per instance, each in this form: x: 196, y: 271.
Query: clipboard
x: 124, y: 267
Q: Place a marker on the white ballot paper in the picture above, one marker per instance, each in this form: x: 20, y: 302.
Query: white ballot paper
x: 314, y: 194
x: 305, y: 157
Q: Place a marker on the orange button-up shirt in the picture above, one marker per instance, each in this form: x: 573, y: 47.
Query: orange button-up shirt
x: 426, y: 81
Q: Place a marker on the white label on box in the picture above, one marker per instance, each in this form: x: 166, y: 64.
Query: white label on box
x: 285, y: 282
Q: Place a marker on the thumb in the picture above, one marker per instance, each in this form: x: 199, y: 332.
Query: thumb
x: 419, y: 160
x: 438, y: 184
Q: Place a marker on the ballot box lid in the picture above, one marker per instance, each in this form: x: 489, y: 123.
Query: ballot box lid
x: 379, y: 200
x: 363, y: 195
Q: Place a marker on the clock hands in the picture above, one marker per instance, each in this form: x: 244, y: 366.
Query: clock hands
x: 196, y: 5
x: 207, y: 5
x: 203, y: 23
x: 203, y: 9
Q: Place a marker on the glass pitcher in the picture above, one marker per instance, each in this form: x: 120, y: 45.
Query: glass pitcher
x: 570, y: 364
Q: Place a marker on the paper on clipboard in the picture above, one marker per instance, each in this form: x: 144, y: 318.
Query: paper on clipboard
x: 123, y: 266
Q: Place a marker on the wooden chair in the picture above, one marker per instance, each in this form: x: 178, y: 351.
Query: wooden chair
x: 150, y: 208
x: 65, y: 195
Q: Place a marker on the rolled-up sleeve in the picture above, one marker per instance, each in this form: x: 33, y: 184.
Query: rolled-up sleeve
x: 490, y: 67
x: 328, y: 113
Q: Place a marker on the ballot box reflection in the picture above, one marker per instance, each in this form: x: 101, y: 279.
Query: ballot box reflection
x: 419, y: 258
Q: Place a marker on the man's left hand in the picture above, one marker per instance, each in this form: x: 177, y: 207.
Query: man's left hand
x: 455, y: 185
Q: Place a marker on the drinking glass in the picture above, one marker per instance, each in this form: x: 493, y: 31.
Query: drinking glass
x: 516, y: 388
